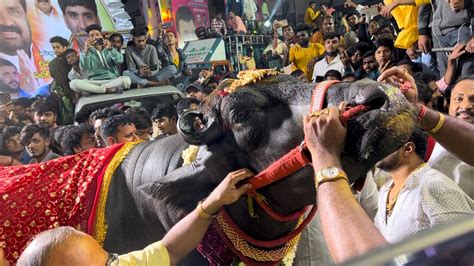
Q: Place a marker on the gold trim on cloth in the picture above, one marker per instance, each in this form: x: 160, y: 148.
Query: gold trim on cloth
x: 246, y: 77
x: 100, y: 225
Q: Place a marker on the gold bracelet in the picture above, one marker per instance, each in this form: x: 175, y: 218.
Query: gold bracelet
x: 202, y: 213
x: 438, y: 125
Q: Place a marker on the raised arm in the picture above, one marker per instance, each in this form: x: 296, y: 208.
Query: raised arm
x: 187, y: 233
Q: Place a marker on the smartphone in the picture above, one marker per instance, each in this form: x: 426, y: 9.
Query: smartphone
x: 283, y: 23
x: 99, y: 41
x: 167, y: 25
x: 370, y: 11
x: 153, y: 68
x: 5, y: 98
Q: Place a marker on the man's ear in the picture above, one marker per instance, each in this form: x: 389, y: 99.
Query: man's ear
x: 111, y: 141
x: 409, y: 149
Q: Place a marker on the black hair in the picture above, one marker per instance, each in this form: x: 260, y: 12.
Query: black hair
x: 333, y: 73
x: 368, y: 54
x: 330, y: 36
x: 69, y: 51
x: 93, y: 27
x: 23, y: 102
x: 63, y: 42
x: 385, y: 43
x: 57, y: 135
x: 43, y: 105
x: 185, y: 14
x: 141, y: 117
x: 363, y: 47
x: 9, y: 132
x: 297, y: 73
x: 348, y: 75
x: 105, y: 113
x: 420, y: 139
x: 110, y: 125
x: 185, y: 104
x: 73, y: 137
x: 30, y: 130
x: 89, y: 4
x: 4, y: 62
x: 164, y: 110
x: 352, y: 12
x: 116, y: 34
x: 139, y: 31
x: 422, y: 81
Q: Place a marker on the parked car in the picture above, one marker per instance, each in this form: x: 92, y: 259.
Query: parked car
x: 148, y: 98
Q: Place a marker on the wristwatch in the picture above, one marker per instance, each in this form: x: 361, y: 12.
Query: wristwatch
x: 330, y: 174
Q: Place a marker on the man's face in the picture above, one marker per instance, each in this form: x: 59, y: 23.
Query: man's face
x: 195, y: 94
x: 313, y: 6
x: 15, y: 32
x: 462, y: 101
x: 144, y: 134
x: 383, y: 55
x: 95, y: 34
x: 9, y: 79
x: 38, y: 146
x: 166, y: 125
x: 47, y: 117
x: 44, y: 6
x: 140, y: 42
x: 353, y: 20
x: 126, y: 133
x: 170, y: 39
x: 186, y: 30
x: 58, y: 48
x: 117, y: 43
x: 77, y: 18
x: 288, y: 34
x: 302, y: 38
x: 355, y: 58
x: 72, y: 59
x: 331, y: 45
x: 87, y: 142
x: 98, y: 139
x: 373, y: 27
x: 13, y: 144
x: 231, y: 14
x: 327, y: 25
x: 369, y: 64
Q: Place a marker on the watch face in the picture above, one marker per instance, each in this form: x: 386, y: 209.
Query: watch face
x: 330, y: 172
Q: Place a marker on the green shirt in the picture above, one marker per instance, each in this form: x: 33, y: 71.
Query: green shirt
x: 101, y: 65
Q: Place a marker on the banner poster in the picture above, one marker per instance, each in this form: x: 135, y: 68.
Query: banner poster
x: 27, y: 26
x: 188, y: 16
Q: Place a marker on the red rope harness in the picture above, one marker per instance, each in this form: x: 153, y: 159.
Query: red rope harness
x: 275, y: 215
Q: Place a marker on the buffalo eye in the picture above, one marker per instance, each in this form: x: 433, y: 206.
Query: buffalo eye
x: 241, y: 116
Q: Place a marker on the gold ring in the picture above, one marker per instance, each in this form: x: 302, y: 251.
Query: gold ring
x: 320, y: 113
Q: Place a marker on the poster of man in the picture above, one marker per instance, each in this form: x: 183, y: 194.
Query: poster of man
x: 189, y: 15
x: 26, y: 27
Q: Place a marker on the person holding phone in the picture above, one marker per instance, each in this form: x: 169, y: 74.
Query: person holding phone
x: 144, y: 67
x: 100, y: 62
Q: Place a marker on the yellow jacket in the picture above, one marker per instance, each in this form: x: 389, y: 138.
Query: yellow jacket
x: 407, y: 20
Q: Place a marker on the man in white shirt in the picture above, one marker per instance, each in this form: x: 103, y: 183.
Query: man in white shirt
x: 461, y: 106
x: 418, y: 197
x: 331, y: 61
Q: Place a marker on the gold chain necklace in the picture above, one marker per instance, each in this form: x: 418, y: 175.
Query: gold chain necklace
x: 389, y: 206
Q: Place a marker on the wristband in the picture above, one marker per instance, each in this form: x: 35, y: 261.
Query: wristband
x: 202, y: 213
x: 438, y: 125
x: 421, y: 114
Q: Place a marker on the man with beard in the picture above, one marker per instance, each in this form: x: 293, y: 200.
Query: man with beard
x: 370, y: 66
x: 326, y: 26
x: 45, y: 112
x: 17, y: 46
x: 461, y: 106
x: 418, y: 197
x: 303, y: 52
x: 331, y: 61
x: 36, y: 140
x: 142, y: 60
x: 97, y: 118
x: 10, y: 80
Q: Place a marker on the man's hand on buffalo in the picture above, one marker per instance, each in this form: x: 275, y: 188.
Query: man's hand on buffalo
x: 401, y: 79
x: 227, y: 192
x: 325, y: 137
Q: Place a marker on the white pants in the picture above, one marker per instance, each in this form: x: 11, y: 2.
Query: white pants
x: 99, y: 86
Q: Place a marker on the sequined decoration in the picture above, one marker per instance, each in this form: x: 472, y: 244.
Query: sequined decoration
x: 35, y: 198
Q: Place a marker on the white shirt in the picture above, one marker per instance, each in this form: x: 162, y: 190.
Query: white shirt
x: 428, y: 198
x: 460, y: 172
x: 322, y: 66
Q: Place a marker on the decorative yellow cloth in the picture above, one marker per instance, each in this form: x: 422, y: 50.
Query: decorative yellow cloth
x: 407, y: 20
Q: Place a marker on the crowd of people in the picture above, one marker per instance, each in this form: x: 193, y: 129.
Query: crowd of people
x: 432, y: 178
